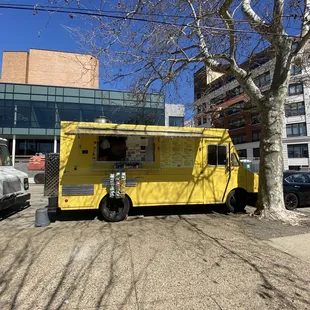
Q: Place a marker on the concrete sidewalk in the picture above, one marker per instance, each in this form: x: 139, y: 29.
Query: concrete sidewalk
x: 202, y: 261
x: 297, y: 246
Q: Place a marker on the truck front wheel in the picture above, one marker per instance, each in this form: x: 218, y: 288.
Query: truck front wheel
x: 114, y: 210
x: 236, y: 201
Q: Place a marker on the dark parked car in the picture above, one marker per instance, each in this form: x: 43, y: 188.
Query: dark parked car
x: 296, y: 187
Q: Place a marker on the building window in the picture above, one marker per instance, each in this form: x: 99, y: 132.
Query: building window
x: 256, y: 152
x: 256, y: 135
x: 294, y: 109
x: 235, y: 108
x: 217, y: 84
x: 177, y: 121
x: 257, y: 63
x: 199, y: 121
x: 236, y: 123
x: 238, y: 139
x: 263, y: 79
x: 218, y: 100
x: 234, y: 92
x: 295, y: 89
x: 230, y: 78
x: 297, y: 168
x: 295, y: 130
x: 255, y: 118
x: 216, y: 155
x: 204, y: 120
x: 297, y: 151
x: 294, y: 46
x: 296, y: 70
x: 31, y: 146
x: 242, y: 153
x: 199, y: 109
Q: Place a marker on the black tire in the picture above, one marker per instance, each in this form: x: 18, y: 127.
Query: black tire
x: 291, y: 201
x: 39, y: 178
x: 236, y: 201
x: 114, y: 210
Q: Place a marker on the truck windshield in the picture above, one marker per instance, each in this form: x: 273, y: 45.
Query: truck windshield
x: 5, y: 159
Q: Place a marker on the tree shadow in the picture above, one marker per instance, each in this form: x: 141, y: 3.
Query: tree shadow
x: 100, y: 264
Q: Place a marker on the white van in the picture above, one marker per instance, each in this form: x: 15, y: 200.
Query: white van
x: 13, y: 183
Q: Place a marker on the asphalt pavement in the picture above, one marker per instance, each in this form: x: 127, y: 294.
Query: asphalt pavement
x: 153, y: 260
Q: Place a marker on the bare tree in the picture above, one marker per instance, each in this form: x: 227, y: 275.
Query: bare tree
x: 155, y: 42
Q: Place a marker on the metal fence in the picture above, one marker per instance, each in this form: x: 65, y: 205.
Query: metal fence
x: 51, y: 174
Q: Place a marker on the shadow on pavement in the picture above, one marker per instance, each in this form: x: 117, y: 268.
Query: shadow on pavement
x: 177, y: 210
x: 82, y: 215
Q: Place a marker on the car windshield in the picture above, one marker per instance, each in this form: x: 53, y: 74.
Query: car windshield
x: 5, y: 159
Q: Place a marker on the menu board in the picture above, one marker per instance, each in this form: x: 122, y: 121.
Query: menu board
x: 140, y: 149
x: 177, y: 152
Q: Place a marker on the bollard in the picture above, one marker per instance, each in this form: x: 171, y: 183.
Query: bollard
x: 42, y: 218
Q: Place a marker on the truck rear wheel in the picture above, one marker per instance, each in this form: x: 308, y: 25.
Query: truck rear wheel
x: 236, y: 201
x: 114, y: 210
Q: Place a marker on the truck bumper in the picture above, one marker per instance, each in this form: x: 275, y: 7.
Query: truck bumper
x: 17, y: 200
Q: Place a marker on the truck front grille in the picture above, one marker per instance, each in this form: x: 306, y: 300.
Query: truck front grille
x: 11, y: 187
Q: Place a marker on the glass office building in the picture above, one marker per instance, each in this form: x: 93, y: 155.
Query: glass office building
x: 30, y: 115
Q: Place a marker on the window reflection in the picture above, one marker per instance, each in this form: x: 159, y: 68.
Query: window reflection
x: 53, y: 108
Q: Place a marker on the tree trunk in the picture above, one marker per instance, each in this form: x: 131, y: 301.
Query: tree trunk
x: 270, y: 196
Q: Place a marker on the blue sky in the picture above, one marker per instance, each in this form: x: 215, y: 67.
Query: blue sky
x: 21, y: 30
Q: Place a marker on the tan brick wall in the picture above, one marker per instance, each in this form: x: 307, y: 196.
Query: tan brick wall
x: 63, y: 69
x: 14, y: 67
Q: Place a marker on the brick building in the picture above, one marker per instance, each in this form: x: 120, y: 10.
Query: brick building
x: 53, y: 68
x: 234, y: 111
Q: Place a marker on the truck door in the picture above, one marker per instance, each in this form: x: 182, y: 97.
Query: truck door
x: 216, y: 171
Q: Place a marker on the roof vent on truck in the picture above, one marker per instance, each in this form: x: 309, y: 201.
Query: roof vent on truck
x: 102, y: 119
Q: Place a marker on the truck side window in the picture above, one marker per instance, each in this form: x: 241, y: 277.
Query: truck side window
x: 212, y: 150
x: 130, y: 149
x: 216, y: 155
x: 112, y: 148
x: 221, y: 155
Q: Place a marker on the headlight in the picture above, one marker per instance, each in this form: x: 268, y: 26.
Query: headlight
x: 26, y: 184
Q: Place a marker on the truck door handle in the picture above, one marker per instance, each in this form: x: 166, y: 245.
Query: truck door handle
x: 297, y: 186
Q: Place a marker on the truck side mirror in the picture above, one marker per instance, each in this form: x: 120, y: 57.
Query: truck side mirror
x: 234, y: 160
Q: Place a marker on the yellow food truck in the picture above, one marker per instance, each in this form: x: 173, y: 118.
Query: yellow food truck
x: 113, y: 167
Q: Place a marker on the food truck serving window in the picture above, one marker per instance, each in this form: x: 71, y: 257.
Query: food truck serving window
x: 216, y: 155
x: 131, y: 149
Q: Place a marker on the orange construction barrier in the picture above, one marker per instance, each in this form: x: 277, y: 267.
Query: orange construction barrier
x: 36, y: 162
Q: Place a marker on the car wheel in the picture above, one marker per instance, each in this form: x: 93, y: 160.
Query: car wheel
x: 291, y: 201
x: 236, y: 201
x: 114, y: 210
x: 39, y: 178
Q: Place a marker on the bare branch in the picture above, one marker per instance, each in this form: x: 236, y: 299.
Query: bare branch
x: 183, y: 49
x: 230, y: 25
x: 209, y: 60
x: 277, y: 19
x: 257, y: 23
